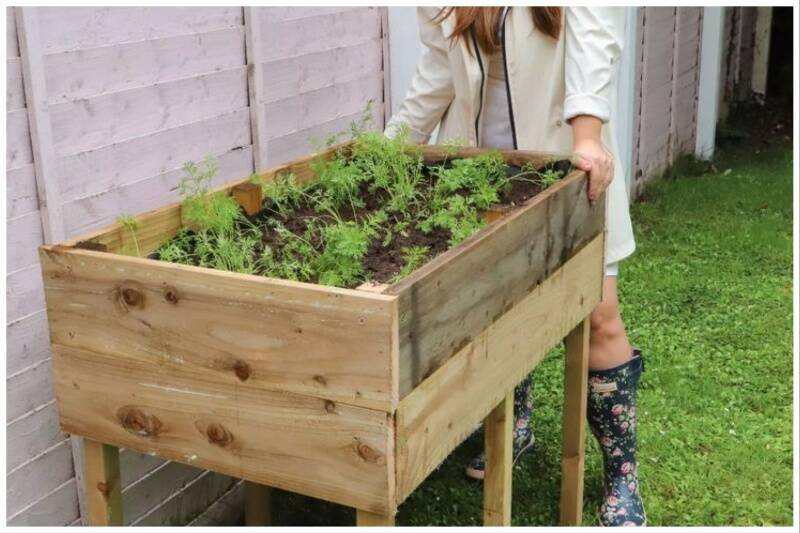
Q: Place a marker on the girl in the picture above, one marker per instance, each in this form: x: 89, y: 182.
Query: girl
x: 542, y: 78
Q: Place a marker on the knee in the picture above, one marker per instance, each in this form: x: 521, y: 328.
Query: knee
x: 606, y: 324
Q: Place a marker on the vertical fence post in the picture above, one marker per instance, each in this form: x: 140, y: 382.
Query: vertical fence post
x: 255, y: 84
x: 708, y: 92
x: 45, y: 166
x: 44, y: 155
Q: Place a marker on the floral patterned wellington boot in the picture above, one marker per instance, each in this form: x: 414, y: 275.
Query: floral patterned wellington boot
x: 611, y: 414
x: 523, y: 434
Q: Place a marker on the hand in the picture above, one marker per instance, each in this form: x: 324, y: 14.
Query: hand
x: 591, y: 156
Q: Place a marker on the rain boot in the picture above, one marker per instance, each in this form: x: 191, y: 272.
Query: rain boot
x: 611, y: 413
x: 523, y: 434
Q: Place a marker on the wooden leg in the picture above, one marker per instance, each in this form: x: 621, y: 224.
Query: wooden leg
x: 576, y: 373
x: 102, y: 484
x: 367, y: 519
x: 498, y: 428
x: 257, y: 504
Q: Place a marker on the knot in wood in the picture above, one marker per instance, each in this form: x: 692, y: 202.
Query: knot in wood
x: 170, y: 295
x: 104, y: 489
x: 242, y: 370
x: 136, y: 421
x: 129, y: 295
x: 330, y: 406
x: 367, y: 452
x: 217, y: 434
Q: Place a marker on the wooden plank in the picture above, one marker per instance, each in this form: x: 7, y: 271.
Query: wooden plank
x: 325, y: 342
x: 190, y: 501
x: 21, y: 197
x: 12, y: 45
x: 134, y: 466
x: 227, y: 510
x: 444, y: 409
x: 295, y: 442
x: 254, y: 45
x: 147, y: 493
x: 18, y: 140
x: 57, y: 507
x: 15, y: 93
x: 85, y: 73
x: 44, y: 155
x: 248, y: 196
x: 29, y: 389
x: 286, y: 13
x: 38, y: 476
x: 71, y: 28
x: 31, y: 435
x: 386, y: 66
x: 498, y: 443
x: 102, y: 479
x: 303, y: 110
x: 24, y: 293
x: 368, y: 519
x: 115, y: 165
x: 257, y: 504
x: 296, y: 37
x: 301, y: 142
x: 27, y: 341
x: 295, y: 75
x: 576, y: 372
x: 447, y: 302
x: 85, y: 124
x: 24, y: 238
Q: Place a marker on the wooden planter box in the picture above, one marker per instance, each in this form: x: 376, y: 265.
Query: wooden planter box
x: 351, y: 396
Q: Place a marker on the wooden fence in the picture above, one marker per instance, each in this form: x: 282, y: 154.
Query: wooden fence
x: 113, y: 101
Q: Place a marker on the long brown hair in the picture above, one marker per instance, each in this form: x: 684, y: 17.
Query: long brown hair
x: 486, y: 19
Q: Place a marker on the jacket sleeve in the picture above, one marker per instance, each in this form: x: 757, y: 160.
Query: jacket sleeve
x: 431, y: 88
x: 593, y: 44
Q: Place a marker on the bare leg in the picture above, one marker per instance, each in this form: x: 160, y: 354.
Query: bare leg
x: 608, y: 342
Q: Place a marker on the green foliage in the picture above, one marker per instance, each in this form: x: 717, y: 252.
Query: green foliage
x: 131, y: 224
x: 215, y: 212
x: 344, y: 246
x: 284, y: 191
x: 414, y: 256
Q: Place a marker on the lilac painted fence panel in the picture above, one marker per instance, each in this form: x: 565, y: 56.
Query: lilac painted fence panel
x: 667, y: 80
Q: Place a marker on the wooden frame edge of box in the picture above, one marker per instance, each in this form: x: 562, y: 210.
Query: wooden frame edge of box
x: 493, y: 363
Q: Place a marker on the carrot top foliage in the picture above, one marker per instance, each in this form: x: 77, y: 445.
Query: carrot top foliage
x: 377, y: 197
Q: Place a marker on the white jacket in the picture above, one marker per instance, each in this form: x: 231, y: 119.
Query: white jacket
x: 549, y: 82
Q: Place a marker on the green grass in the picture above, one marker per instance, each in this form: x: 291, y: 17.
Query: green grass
x: 708, y: 297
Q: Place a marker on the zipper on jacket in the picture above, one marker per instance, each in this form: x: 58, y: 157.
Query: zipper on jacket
x: 508, y: 83
x: 483, y: 80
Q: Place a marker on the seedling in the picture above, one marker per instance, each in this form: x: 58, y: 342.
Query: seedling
x: 132, y: 224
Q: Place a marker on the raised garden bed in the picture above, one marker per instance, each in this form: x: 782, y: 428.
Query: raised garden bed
x: 352, y: 395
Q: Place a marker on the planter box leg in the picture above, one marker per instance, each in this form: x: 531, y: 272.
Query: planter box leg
x: 576, y: 372
x: 257, y: 504
x: 367, y: 519
x: 102, y: 484
x: 498, y: 428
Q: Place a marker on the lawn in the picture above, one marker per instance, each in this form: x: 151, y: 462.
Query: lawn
x: 708, y: 297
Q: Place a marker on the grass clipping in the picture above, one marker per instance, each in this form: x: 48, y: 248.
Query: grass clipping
x: 376, y: 212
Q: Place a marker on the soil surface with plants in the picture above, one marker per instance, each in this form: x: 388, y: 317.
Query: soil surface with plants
x: 376, y: 212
